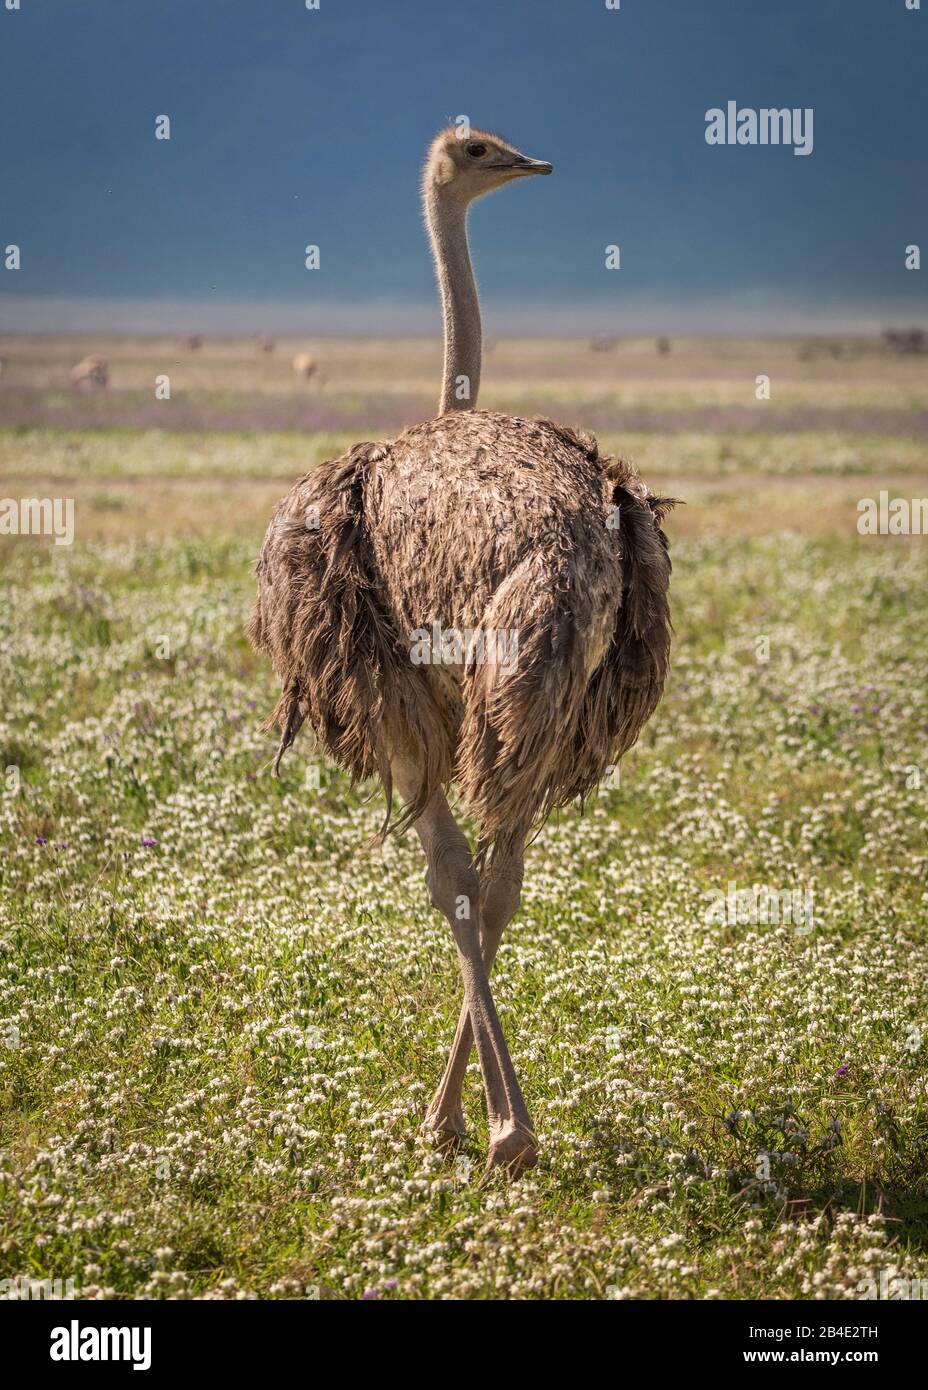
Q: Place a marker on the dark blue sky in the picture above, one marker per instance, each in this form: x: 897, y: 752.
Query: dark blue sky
x: 291, y: 126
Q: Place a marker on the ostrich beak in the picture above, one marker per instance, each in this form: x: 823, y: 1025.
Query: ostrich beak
x: 523, y: 165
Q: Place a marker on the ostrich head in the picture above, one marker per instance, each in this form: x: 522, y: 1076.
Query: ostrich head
x: 467, y: 168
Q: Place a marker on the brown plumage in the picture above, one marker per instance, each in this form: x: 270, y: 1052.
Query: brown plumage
x: 483, y: 600
x: 478, y: 521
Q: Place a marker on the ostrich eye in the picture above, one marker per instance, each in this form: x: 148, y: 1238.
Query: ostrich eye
x: 476, y: 151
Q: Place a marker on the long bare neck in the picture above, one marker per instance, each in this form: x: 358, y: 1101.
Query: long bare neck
x: 447, y: 223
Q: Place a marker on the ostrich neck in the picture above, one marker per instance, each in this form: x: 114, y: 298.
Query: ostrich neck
x: 447, y: 224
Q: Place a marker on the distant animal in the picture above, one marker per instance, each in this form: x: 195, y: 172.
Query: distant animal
x: 663, y: 346
x: 601, y: 342
x: 265, y: 343
x: 484, y: 599
x: 906, y: 341
x: 304, y: 365
x: 91, y: 373
x: 193, y: 342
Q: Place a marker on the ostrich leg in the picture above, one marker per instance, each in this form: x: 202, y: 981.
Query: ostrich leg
x: 500, y: 890
x: 454, y: 889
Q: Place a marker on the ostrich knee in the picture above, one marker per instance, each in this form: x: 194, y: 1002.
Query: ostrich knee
x: 452, y: 881
x: 499, y: 904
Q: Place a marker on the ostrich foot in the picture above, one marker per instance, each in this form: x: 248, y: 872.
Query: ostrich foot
x: 447, y: 1128
x: 513, y: 1148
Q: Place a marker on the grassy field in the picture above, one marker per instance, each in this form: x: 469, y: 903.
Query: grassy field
x: 221, y: 1016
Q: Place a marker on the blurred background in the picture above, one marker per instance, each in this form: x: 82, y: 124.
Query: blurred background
x: 291, y: 126
x: 143, y: 259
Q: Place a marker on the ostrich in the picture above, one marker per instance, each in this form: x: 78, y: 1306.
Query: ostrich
x: 304, y: 365
x: 538, y: 573
x: 91, y: 373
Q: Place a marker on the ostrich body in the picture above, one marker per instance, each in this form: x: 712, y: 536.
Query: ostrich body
x: 91, y: 373
x: 483, y: 600
x: 304, y: 365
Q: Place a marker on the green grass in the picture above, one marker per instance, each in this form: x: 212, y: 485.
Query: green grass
x: 122, y: 453
x: 224, y: 1017
x: 126, y: 453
